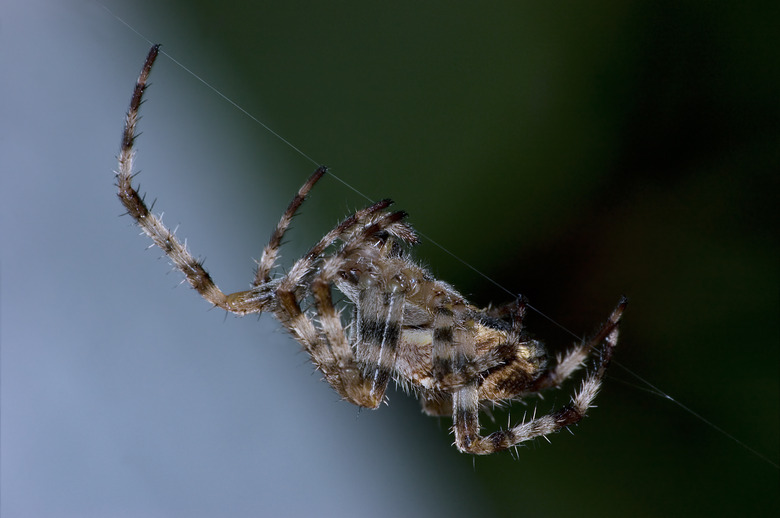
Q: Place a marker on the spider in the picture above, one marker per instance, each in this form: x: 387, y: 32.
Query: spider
x: 403, y: 324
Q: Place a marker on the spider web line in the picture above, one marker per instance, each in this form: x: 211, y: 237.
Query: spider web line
x: 658, y: 392
x: 652, y: 388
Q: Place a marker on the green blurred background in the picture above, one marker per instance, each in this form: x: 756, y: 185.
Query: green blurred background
x: 573, y: 152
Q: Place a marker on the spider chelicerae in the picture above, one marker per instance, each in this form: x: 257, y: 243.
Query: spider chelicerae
x: 403, y: 323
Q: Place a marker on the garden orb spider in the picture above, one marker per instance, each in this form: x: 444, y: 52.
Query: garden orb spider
x: 403, y: 324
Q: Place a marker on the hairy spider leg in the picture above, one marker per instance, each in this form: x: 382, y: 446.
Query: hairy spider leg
x: 571, y: 361
x: 151, y: 225
x: 378, y: 308
x: 380, y: 298
x: 379, y: 317
x: 334, y: 356
x: 466, y: 403
x: 271, y: 250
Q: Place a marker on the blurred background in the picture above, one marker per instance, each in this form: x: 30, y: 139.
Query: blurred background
x: 572, y: 153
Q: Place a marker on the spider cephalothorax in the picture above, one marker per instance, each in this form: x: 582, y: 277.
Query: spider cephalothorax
x: 402, y: 323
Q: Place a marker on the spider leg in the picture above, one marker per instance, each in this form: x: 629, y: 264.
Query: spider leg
x: 341, y: 370
x: 453, y: 352
x: 466, y: 404
x: 330, y: 355
x: 151, y: 225
x: 572, y: 360
x: 361, y: 224
x: 379, y: 320
x: 271, y: 250
x: 379, y: 304
x: 328, y: 345
x: 263, y: 284
x: 304, y: 265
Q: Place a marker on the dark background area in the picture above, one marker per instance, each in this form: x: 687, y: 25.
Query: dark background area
x: 572, y: 153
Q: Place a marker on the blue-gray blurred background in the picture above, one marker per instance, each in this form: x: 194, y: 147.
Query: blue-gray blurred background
x: 572, y: 152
